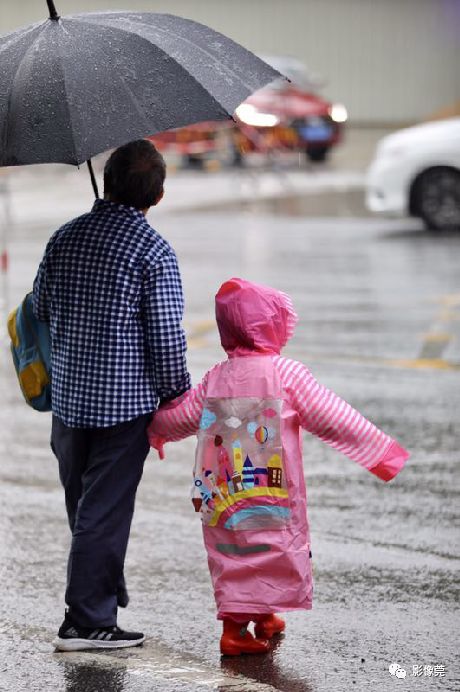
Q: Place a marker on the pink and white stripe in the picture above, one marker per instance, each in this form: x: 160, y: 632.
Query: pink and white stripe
x: 333, y: 420
x: 321, y: 412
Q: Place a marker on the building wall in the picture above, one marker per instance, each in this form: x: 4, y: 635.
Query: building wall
x: 388, y: 61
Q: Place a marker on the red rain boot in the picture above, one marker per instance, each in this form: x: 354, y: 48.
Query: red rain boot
x: 237, y: 640
x: 268, y: 625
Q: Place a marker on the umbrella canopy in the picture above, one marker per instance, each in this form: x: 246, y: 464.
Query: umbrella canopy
x: 74, y: 86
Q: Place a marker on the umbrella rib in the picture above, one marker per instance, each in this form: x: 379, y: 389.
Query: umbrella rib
x: 128, y: 91
x: 203, y: 50
x: 180, y: 38
x: 196, y: 46
x: 40, y: 27
x: 8, y: 40
x: 163, y: 51
x: 62, y: 66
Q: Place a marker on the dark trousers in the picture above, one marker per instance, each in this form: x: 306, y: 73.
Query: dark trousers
x: 100, y: 469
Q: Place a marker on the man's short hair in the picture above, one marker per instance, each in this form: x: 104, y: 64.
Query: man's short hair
x: 134, y: 174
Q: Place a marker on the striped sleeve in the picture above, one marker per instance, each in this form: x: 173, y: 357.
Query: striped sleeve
x: 178, y: 418
x: 333, y: 420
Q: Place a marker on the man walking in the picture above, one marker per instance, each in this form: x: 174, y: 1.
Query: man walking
x: 110, y: 288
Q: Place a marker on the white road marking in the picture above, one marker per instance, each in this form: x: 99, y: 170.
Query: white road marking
x: 157, y: 662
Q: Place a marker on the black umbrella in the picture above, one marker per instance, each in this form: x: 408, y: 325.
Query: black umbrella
x: 74, y: 86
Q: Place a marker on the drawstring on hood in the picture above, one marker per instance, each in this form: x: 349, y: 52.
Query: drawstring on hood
x: 253, y: 318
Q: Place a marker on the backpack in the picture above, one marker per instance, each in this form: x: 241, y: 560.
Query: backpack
x: 31, y: 351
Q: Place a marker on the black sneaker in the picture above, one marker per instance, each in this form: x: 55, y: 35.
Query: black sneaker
x: 73, y: 637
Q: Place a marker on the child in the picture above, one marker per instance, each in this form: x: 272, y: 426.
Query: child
x: 248, y: 480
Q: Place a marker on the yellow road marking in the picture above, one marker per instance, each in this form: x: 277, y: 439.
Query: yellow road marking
x: 450, y: 300
x: 196, y: 333
x: 196, y: 343
x: 435, y: 342
x: 423, y: 363
x: 439, y: 337
x: 447, y: 315
x: 199, y: 328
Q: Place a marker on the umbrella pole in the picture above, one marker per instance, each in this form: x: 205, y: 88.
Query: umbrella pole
x: 93, y: 179
x: 52, y: 10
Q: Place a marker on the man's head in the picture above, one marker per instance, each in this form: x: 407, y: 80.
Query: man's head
x: 134, y: 175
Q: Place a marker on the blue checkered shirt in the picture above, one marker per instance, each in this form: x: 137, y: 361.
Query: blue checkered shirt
x: 110, y: 288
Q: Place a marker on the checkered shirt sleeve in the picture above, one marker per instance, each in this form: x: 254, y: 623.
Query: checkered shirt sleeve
x: 40, y: 293
x: 163, y: 307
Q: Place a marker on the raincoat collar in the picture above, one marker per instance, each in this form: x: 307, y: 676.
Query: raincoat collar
x: 253, y: 319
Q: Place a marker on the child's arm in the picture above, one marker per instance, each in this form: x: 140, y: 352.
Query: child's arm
x: 330, y: 418
x: 178, y: 418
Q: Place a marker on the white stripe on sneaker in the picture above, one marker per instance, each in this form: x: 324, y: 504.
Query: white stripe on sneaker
x: 75, y: 644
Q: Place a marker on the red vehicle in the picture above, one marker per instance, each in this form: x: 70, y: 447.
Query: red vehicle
x: 283, y: 116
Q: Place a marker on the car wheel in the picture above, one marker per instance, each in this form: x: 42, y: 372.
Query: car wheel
x: 317, y: 153
x: 195, y: 161
x: 436, y: 198
x: 237, y: 157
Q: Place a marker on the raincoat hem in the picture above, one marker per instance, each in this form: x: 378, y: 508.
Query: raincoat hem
x: 260, y: 609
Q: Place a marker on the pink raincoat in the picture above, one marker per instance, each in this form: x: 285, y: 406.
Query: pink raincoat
x: 248, y: 480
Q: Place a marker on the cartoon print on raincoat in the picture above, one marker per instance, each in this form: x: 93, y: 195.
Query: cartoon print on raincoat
x: 258, y: 397
x: 238, y: 473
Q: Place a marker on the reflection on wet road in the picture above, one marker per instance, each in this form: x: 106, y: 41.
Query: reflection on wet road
x: 86, y: 677
x: 339, y: 203
x: 379, y: 304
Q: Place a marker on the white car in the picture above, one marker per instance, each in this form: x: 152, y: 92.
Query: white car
x: 416, y: 172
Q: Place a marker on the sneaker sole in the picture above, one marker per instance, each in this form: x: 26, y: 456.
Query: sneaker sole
x: 89, y: 644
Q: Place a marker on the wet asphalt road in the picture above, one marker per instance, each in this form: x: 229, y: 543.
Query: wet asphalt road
x: 379, y: 303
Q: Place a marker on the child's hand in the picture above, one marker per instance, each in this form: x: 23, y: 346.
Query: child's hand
x: 157, y: 442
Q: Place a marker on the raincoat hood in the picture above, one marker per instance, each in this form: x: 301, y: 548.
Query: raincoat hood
x: 253, y: 318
